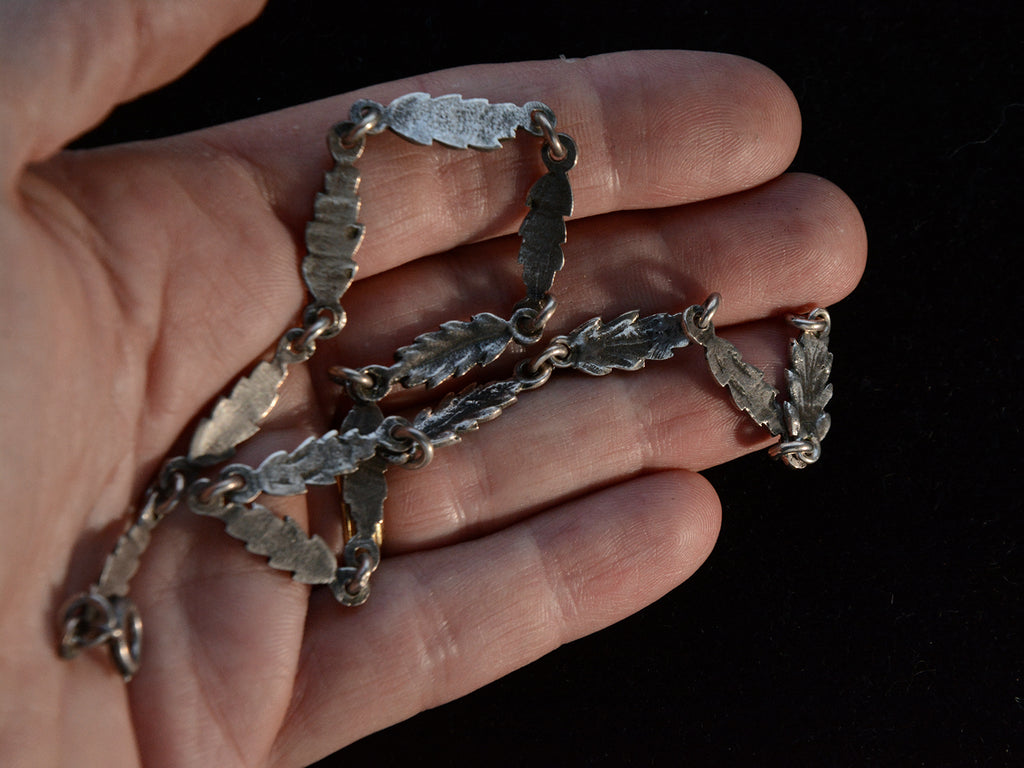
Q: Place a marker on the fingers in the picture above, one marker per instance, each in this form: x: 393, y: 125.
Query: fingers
x: 795, y: 241
x: 579, y: 434
x: 484, y: 608
x: 65, y: 65
x: 658, y: 128
x: 654, y: 129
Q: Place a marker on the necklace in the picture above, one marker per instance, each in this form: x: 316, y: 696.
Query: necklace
x: 367, y: 443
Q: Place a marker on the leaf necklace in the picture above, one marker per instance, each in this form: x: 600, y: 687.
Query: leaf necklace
x: 358, y: 454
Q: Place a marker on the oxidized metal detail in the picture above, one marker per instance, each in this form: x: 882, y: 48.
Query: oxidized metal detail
x: 809, y: 391
x: 237, y: 417
x: 319, y: 460
x: 466, y: 411
x: 451, y: 120
x: 543, y: 230
x: 746, y: 384
x: 802, y: 421
x: 281, y: 540
x: 367, y: 443
x: 334, y: 234
x: 363, y: 494
x: 627, y: 342
x: 451, y: 351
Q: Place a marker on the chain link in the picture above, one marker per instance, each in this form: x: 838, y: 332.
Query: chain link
x: 546, y: 124
x: 420, y: 449
x: 816, y: 321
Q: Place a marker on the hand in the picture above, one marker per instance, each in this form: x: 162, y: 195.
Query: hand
x: 139, y: 281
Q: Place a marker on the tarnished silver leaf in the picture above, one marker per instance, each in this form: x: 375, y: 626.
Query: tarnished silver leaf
x: 465, y: 411
x: 123, y: 562
x: 237, y: 417
x: 334, y: 235
x: 543, y: 232
x: 455, y: 121
x: 281, y: 540
x: 317, y: 461
x: 809, y: 388
x: 365, y: 417
x: 451, y: 351
x: 365, y: 490
x: 626, y: 342
x: 746, y: 384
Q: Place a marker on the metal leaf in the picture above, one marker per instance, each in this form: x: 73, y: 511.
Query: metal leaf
x: 465, y: 411
x: 334, y: 235
x: 365, y: 490
x: 543, y: 231
x: 746, y: 384
x: 625, y: 343
x: 281, y: 540
x: 317, y: 461
x: 809, y: 389
x: 452, y: 350
x: 236, y: 417
x: 123, y: 562
x: 455, y: 121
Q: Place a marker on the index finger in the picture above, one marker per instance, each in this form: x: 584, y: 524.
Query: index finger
x: 654, y: 129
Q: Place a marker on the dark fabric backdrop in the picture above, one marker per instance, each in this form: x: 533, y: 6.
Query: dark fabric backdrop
x: 866, y: 611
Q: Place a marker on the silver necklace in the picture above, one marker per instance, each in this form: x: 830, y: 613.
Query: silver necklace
x: 367, y: 443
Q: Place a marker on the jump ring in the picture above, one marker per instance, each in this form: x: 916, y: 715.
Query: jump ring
x: 422, y: 447
x: 815, y: 321
x: 555, y: 355
x: 220, y: 489
x: 797, y: 453
x: 370, y: 119
x: 558, y: 150
x: 334, y: 315
x: 361, y: 579
x: 365, y: 386
x: 532, y: 377
x: 708, y: 310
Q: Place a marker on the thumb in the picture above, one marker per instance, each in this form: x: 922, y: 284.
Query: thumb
x: 65, y: 64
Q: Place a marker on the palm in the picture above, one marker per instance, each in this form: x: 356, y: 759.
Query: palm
x: 140, y: 280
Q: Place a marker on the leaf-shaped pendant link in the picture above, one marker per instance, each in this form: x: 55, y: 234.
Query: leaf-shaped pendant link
x: 543, y: 230
x: 451, y: 351
x: 281, y: 540
x: 317, y: 461
x: 334, y: 235
x: 452, y: 120
x: 464, y: 412
x: 237, y: 417
x: 746, y: 384
x: 809, y: 388
x: 626, y: 343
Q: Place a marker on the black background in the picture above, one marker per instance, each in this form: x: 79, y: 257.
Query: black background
x: 868, y: 610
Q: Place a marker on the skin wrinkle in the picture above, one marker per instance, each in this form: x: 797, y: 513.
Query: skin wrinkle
x: 437, y: 649
x: 612, y: 182
x: 561, y: 600
x: 312, y: 655
x: 80, y: 235
x: 214, y: 676
x: 456, y: 512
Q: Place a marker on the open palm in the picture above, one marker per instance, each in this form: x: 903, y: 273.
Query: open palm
x: 140, y: 280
